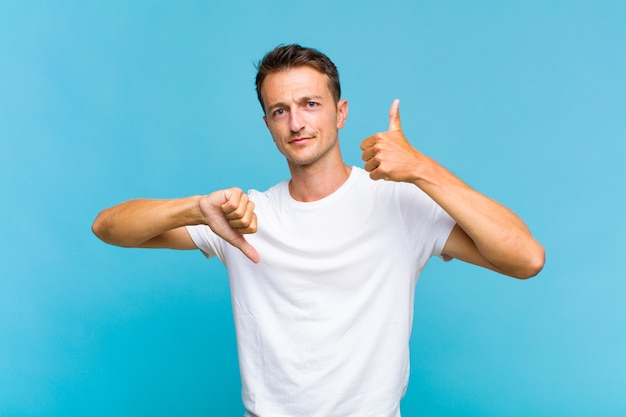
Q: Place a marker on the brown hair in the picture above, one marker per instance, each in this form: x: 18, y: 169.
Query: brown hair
x: 285, y: 57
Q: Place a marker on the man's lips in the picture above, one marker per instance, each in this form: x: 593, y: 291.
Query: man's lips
x: 299, y: 140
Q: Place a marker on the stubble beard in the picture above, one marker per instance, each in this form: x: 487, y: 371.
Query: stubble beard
x: 319, y: 154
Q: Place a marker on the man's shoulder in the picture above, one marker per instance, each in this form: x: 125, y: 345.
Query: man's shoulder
x: 363, y: 177
x: 402, y: 194
x: 273, y: 192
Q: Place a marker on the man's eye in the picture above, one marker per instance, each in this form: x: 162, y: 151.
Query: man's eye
x: 311, y: 104
x: 279, y: 112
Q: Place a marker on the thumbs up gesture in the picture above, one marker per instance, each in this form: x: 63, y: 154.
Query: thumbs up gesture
x: 388, y: 155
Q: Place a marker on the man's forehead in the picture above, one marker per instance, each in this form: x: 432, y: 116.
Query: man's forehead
x: 303, y: 80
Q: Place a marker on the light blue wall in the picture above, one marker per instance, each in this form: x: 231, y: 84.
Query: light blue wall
x: 104, y: 101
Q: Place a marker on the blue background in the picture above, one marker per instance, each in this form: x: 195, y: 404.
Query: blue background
x: 105, y: 101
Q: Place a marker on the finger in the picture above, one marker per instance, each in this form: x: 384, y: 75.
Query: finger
x: 368, y: 142
x: 233, y: 235
x: 394, y: 116
x: 236, y: 205
x: 368, y: 154
x: 371, y: 141
x: 252, y: 226
x: 247, y: 249
x: 231, y: 200
x: 371, y: 165
x: 246, y: 223
x: 252, y: 254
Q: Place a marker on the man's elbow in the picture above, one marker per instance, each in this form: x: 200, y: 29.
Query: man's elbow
x: 101, y: 228
x: 533, y: 263
x: 96, y: 226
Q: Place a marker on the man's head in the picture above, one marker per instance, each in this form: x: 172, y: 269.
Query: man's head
x: 286, y: 57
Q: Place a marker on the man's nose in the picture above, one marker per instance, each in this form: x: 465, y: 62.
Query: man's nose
x: 296, y: 121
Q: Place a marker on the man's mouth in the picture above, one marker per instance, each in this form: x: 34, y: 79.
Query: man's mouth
x: 299, y: 140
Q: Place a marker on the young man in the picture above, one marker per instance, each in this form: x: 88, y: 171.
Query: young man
x: 322, y: 283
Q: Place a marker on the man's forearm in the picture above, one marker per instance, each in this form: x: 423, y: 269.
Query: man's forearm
x: 500, y: 236
x: 132, y: 223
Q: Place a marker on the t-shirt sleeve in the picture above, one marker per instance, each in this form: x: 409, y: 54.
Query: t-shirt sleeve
x: 441, y: 228
x: 428, y: 224
x: 205, y: 239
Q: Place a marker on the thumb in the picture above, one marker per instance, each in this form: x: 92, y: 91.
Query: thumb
x: 249, y: 251
x: 240, y: 242
x: 394, y: 116
x: 218, y: 222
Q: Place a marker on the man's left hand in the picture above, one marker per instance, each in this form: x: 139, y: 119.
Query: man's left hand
x: 389, y: 155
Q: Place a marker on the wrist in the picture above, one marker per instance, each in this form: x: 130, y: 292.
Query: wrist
x: 192, y: 210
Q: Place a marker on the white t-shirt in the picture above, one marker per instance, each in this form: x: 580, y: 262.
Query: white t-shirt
x: 323, y: 321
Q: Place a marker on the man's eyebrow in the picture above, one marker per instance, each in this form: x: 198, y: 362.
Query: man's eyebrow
x: 310, y: 98
x: 304, y: 99
x: 276, y: 105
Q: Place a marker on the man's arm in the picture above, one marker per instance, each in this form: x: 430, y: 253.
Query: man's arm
x: 146, y: 223
x: 487, y: 233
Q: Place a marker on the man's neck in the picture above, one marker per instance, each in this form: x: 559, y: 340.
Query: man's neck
x: 312, y: 183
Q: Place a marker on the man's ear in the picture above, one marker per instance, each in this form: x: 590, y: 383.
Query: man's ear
x: 342, y: 113
x: 265, y: 120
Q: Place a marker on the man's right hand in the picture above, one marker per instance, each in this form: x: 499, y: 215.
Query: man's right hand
x: 149, y: 223
x: 230, y: 214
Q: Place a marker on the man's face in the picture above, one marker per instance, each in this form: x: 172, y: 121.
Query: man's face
x: 302, y: 115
